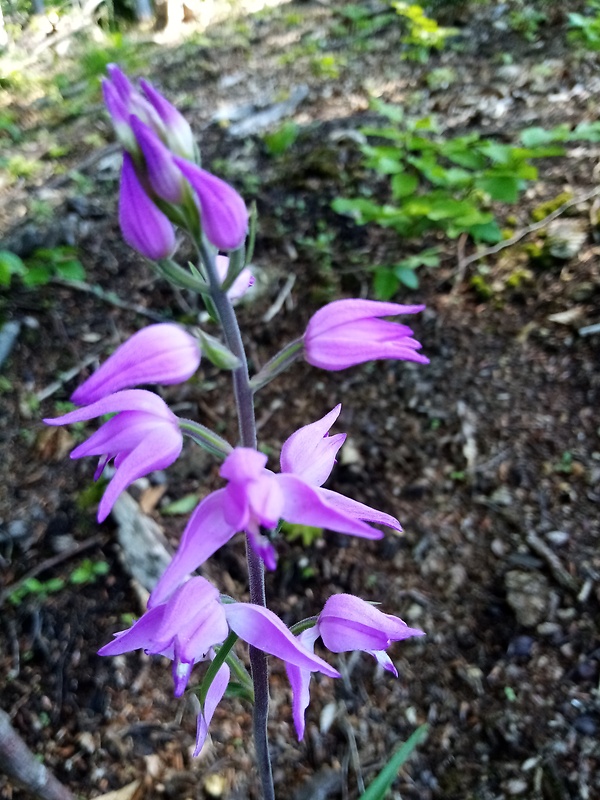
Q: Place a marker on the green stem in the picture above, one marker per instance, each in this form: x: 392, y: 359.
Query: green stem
x: 244, y: 400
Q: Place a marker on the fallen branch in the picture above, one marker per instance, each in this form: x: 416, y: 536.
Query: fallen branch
x: 20, y: 764
x: 560, y: 574
x: 109, y: 297
x: 464, y: 262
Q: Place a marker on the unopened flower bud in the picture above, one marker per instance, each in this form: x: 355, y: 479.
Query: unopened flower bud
x: 179, y: 137
x: 223, y: 213
x: 163, y: 174
x: 144, y: 226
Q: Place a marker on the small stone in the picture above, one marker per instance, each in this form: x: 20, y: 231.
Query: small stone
x: 516, y: 786
x: 215, y: 785
x: 528, y: 594
x: 520, y: 647
x: 557, y: 538
x: 586, y: 725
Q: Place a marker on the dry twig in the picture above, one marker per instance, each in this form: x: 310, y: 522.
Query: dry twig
x: 464, y: 262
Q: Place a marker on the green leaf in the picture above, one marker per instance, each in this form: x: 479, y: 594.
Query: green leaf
x: 10, y: 264
x: 38, y: 275
x: 407, y: 277
x: 379, y: 787
x: 71, y: 270
x: 586, y: 131
x: 404, y: 185
x: 504, y: 188
x: 182, y: 506
x: 534, y: 137
x: 279, y: 141
x: 385, y: 283
x: 486, y: 232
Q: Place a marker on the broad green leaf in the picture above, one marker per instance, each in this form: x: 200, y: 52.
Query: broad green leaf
x: 182, y: 506
x: 407, y: 277
x: 380, y: 786
x: 38, y: 275
x: 10, y: 264
x: 504, y: 188
x: 536, y: 136
x: 586, y: 131
x: 385, y: 283
x: 71, y: 270
x: 404, y: 185
x: 488, y: 232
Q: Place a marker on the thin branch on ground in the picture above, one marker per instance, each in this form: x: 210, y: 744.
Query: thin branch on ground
x: 560, y: 574
x: 110, y: 298
x: 21, y: 765
x: 464, y: 262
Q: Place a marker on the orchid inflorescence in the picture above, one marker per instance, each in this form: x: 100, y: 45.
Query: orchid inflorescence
x: 164, y: 188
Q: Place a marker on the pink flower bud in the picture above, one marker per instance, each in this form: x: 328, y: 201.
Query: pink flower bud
x: 223, y: 213
x: 144, y: 226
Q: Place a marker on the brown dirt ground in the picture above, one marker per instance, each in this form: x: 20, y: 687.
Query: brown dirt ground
x: 490, y: 456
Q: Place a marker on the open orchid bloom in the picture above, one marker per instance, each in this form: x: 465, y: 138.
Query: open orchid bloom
x: 255, y: 500
x: 164, y: 353
x: 349, y: 332
x: 193, y: 622
x: 346, y: 623
x: 143, y: 436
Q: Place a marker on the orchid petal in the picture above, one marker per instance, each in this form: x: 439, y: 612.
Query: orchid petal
x: 204, y: 534
x: 139, y: 635
x: 308, y: 505
x: 310, y: 452
x: 300, y: 682
x: 353, y: 508
x: 157, y: 451
x: 261, y: 628
x: 214, y: 695
x: 162, y: 353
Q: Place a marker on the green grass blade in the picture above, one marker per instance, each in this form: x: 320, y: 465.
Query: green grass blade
x: 378, y: 789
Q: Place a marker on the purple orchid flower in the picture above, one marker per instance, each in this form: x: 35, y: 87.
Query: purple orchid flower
x: 143, y: 224
x: 349, y: 332
x: 162, y: 353
x: 240, y: 285
x: 143, y: 436
x: 223, y: 213
x: 346, y: 623
x: 193, y: 622
x: 256, y: 499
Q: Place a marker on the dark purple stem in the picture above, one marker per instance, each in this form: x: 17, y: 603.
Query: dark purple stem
x: 20, y: 764
x: 244, y: 400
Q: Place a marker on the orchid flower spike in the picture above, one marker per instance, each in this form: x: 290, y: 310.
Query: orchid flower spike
x: 162, y: 353
x: 349, y: 332
x: 347, y: 623
x: 255, y: 500
x: 144, y: 436
x: 193, y: 622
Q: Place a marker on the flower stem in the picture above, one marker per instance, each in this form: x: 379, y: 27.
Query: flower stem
x: 244, y: 400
